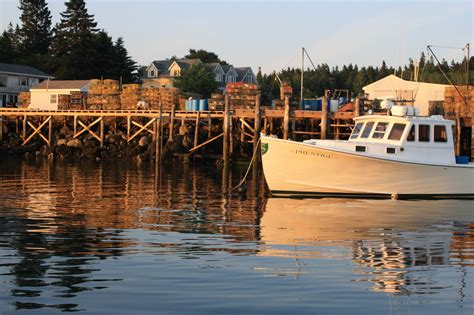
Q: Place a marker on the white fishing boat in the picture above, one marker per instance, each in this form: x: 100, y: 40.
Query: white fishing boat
x: 401, y: 155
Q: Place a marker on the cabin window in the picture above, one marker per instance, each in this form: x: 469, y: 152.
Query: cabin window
x: 53, y: 99
x: 440, y: 134
x: 360, y: 148
x: 379, y: 131
x: 367, y: 129
x: 391, y: 150
x: 411, y: 134
x: 356, y: 131
x: 396, y: 132
x: 424, y: 133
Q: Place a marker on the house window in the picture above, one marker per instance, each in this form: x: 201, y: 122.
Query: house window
x: 396, y: 132
x: 380, y: 130
x: 424, y: 133
x: 23, y: 81
x: 219, y: 77
x: 176, y: 73
x: 411, y: 134
x: 53, y: 99
x: 440, y: 134
x: 152, y: 74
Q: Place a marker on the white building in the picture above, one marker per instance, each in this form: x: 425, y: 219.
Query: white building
x: 396, y: 88
x: 45, y: 95
x: 15, y: 79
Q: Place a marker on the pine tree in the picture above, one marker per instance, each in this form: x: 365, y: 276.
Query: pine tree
x: 124, y: 65
x: 35, y: 32
x: 73, y: 47
x: 9, y: 45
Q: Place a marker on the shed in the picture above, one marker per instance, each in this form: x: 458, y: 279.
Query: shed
x: 45, y: 95
x: 394, y: 87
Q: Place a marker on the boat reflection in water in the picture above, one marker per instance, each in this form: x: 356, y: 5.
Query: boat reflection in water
x: 389, y: 241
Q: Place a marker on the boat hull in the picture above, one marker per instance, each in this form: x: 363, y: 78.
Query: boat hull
x: 296, y: 168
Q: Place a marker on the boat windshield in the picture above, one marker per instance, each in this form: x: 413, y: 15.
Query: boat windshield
x: 356, y: 131
x: 367, y: 129
x: 396, y: 132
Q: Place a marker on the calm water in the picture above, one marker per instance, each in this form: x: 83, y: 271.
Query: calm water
x: 117, y: 239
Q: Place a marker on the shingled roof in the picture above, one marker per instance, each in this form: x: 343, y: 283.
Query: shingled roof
x: 10, y: 68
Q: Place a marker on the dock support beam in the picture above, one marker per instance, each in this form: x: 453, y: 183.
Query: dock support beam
x: 225, y: 147
x: 286, y: 118
x: 256, y: 127
x: 170, y: 138
x: 324, y: 118
x: 1, y: 131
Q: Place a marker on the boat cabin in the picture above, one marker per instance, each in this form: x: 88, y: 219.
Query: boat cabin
x: 406, y: 138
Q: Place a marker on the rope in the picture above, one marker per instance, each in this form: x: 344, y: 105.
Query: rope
x: 248, y: 169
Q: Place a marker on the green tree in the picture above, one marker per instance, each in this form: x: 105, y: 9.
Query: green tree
x: 35, y: 32
x: 197, y: 79
x: 73, y: 45
x: 124, y: 65
x: 9, y: 45
x: 204, y: 56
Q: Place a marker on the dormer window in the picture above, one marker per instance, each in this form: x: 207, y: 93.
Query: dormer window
x: 176, y: 73
x: 152, y: 74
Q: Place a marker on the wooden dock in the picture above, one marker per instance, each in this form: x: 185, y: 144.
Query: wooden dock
x: 238, y: 123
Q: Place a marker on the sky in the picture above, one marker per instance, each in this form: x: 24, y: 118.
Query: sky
x: 270, y: 33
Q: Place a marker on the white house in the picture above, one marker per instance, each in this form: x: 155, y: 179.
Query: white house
x: 15, y: 79
x: 45, y: 95
x: 396, y: 88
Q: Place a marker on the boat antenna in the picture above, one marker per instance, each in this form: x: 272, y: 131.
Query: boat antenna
x: 302, y: 75
x: 444, y: 74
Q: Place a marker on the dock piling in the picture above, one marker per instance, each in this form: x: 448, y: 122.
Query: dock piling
x: 286, y: 118
x: 324, y: 118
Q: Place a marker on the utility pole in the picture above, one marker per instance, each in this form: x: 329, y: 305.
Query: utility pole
x: 302, y: 77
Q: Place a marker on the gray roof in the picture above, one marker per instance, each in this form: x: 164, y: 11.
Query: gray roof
x: 22, y: 69
x: 241, y: 72
x: 61, y: 84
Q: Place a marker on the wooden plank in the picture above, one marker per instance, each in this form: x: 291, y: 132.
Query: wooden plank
x: 196, y: 130
x: 205, y: 142
x: 88, y: 128
x: 142, y: 128
x: 37, y: 131
x: 246, y: 124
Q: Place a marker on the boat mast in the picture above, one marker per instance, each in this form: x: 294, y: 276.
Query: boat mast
x: 302, y: 77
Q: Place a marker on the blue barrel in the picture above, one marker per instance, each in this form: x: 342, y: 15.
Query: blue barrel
x: 318, y: 105
x: 187, y: 105
x: 194, y: 105
x: 307, y: 104
x: 203, y: 105
x: 342, y: 100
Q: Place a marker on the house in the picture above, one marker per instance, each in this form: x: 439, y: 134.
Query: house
x: 245, y: 74
x: 162, y: 72
x: 15, y: 79
x: 45, y: 95
x: 230, y: 73
x: 396, y: 88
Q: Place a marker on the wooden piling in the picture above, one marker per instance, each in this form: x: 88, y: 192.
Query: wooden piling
x: 324, y: 118
x: 196, y: 130
x: 225, y: 128
x: 256, y: 127
x: 24, y: 126
x: 50, y: 131
x: 173, y: 109
x: 101, y: 133
x: 1, y: 131
x: 286, y: 118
